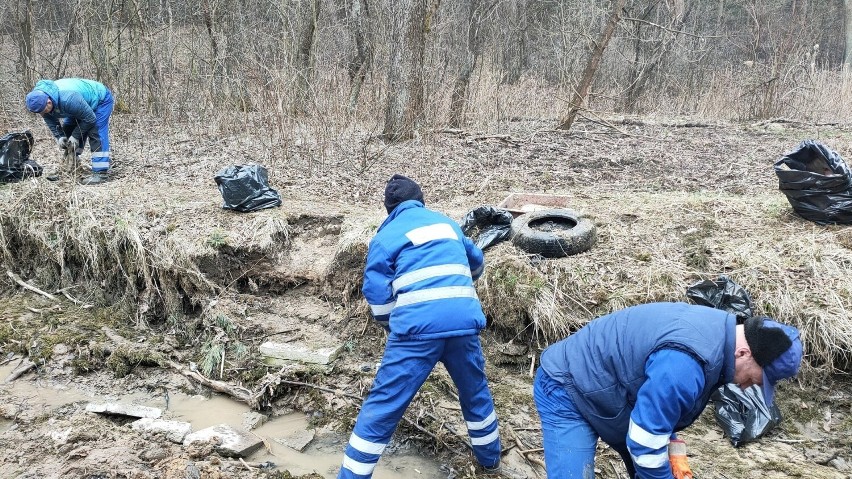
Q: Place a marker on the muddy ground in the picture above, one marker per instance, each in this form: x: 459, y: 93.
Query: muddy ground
x: 292, y: 273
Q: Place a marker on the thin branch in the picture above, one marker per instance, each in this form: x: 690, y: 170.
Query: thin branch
x: 21, y: 282
x: 680, y: 32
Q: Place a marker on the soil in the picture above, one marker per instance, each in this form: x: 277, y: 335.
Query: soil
x: 302, y: 283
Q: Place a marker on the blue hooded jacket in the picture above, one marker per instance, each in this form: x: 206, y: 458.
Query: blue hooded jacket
x: 419, y: 276
x: 74, y: 98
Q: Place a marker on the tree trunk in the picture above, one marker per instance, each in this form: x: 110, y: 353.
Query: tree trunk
x: 478, y: 9
x: 25, y: 41
x: 304, y: 53
x: 592, y: 66
x: 411, y: 20
x: 358, y: 16
x: 514, y: 49
x: 847, y: 12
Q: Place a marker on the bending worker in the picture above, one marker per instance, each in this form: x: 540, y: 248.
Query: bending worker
x: 418, y: 282
x: 635, y: 377
x: 76, y: 110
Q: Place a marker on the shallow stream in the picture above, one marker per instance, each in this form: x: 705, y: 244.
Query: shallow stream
x: 322, y: 455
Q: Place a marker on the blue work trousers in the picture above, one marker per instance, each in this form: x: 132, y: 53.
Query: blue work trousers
x: 568, y: 439
x: 404, y: 368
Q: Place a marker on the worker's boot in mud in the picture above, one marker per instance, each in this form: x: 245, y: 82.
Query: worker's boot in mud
x: 96, y: 178
x: 504, y: 471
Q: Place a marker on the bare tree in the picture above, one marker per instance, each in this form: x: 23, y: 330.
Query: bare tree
x: 592, y: 65
x: 308, y: 14
x: 24, y: 36
x: 477, y: 10
x: 411, y: 21
x: 358, y: 18
x: 847, y: 10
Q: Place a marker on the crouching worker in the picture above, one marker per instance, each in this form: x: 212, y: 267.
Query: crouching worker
x: 635, y: 377
x: 418, y: 282
x: 77, y: 110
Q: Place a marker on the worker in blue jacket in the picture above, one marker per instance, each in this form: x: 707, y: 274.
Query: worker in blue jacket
x: 77, y: 110
x: 635, y: 377
x: 418, y: 282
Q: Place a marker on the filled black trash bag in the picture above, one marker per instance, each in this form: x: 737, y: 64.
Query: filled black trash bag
x: 494, y: 225
x: 246, y: 188
x: 15, y: 162
x: 743, y: 414
x: 724, y: 294
x: 817, y: 183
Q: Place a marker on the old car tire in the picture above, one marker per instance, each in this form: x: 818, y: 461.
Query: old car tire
x: 573, y: 233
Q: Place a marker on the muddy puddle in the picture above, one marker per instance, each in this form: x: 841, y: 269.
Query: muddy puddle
x: 322, y: 453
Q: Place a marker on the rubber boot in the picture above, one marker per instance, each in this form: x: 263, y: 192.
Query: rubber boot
x: 96, y: 178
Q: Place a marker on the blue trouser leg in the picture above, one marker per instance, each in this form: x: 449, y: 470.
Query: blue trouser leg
x: 464, y: 361
x: 405, y: 366
x: 569, y: 440
x: 99, y: 141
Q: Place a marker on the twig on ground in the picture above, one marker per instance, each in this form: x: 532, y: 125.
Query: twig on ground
x: 75, y: 301
x: 521, y: 448
x: 23, y: 284
x: 20, y: 370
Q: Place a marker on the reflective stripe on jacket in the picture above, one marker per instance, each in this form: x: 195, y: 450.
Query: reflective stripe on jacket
x: 419, y: 276
x: 602, y: 366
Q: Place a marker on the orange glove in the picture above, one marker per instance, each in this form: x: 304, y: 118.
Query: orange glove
x: 677, y: 459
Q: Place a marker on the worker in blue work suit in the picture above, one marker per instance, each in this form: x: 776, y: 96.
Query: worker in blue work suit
x: 76, y: 110
x: 418, y: 282
x: 635, y: 377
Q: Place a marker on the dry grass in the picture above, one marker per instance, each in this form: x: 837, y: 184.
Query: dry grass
x: 651, y: 247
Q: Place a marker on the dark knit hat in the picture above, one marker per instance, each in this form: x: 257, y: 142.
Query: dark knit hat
x: 776, y: 348
x: 401, y: 188
x: 36, y: 101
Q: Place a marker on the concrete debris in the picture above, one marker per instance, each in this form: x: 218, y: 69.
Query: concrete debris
x: 174, y: 431
x: 232, y: 442
x: 131, y: 410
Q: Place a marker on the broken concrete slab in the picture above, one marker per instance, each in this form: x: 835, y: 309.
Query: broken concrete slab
x: 233, y: 442
x: 253, y: 420
x: 174, y: 431
x: 299, y: 440
x: 131, y: 410
x: 278, y: 354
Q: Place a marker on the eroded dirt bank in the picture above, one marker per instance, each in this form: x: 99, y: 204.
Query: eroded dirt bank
x: 175, y: 281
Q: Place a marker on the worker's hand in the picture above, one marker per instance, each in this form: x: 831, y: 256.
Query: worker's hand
x: 62, y: 143
x: 677, y: 459
x: 73, y: 143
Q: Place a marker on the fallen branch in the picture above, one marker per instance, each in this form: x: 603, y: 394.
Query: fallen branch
x: 523, y: 450
x: 20, y: 370
x: 75, y: 301
x: 23, y: 284
x: 239, y: 393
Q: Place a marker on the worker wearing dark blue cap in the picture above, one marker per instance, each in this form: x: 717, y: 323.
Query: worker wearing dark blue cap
x: 77, y: 110
x: 418, y: 282
x: 635, y: 377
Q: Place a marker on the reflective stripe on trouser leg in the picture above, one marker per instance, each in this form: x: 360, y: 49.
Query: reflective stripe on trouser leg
x: 466, y: 365
x: 405, y: 366
x: 101, y: 152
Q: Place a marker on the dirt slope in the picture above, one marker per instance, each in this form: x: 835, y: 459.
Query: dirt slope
x: 173, y: 272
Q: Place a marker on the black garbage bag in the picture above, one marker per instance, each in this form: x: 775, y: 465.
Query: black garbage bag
x: 15, y: 162
x: 724, y: 294
x: 493, y: 224
x: 246, y: 188
x: 743, y: 414
x: 817, y: 183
